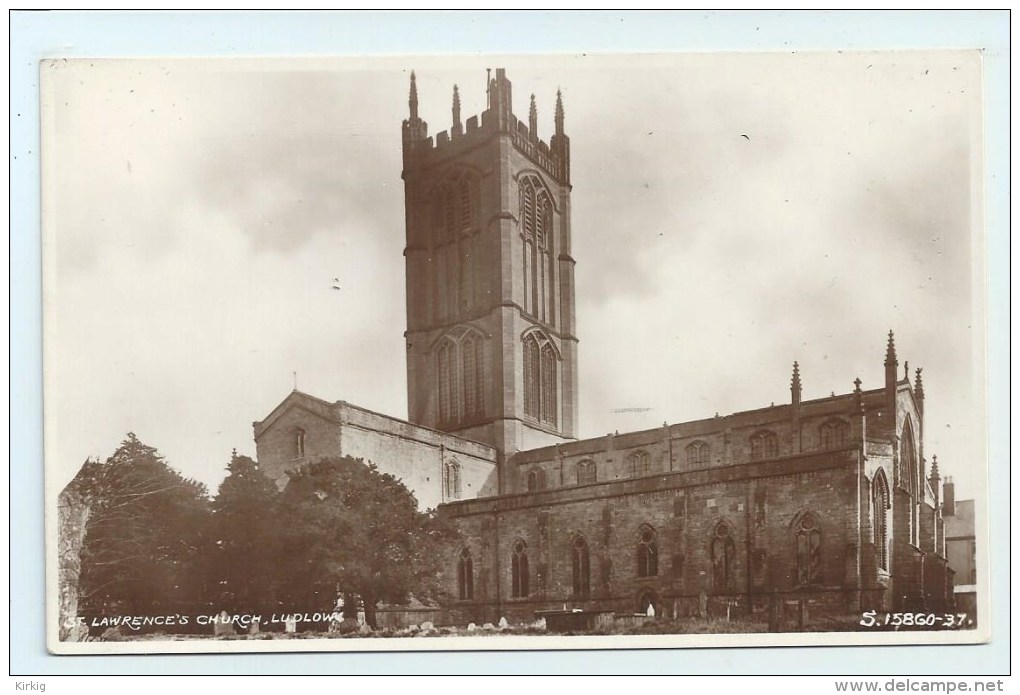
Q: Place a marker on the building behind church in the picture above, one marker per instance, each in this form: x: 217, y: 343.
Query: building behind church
x: 829, y: 503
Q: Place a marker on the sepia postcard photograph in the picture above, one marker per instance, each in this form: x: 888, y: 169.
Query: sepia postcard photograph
x: 514, y: 352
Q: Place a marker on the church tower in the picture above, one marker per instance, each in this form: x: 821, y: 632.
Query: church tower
x: 491, y: 344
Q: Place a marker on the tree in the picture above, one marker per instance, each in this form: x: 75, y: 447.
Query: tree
x: 146, y: 537
x: 353, y: 530
x: 246, y: 544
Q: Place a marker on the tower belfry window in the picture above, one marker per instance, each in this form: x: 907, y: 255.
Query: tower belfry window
x: 448, y: 410
x: 455, y: 205
x: 460, y: 372
x: 541, y: 366
x: 536, y: 220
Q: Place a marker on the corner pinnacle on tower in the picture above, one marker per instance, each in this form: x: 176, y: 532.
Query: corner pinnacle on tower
x: 456, y: 109
x: 559, y: 142
x: 414, y: 129
x: 412, y: 98
x: 559, y: 112
x: 795, y: 384
x: 533, y: 120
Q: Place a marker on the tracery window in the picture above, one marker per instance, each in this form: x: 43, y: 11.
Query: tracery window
x: 451, y: 480
x: 723, y: 553
x: 471, y: 368
x: 879, y: 523
x: 910, y: 479
x: 809, y: 550
x: 764, y: 445
x: 697, y: 454
x: 639, y: 463
x: 455, y: 223
x: 536, y: 480
x: 519, y: 570
x: 536, y: 220
x: 541, y: 367
x: 465, y: 575
x: 586, y: 472
x: 647, y: 552
x: 581, y: 566
x: 460, y: 371
x: 833, y: 434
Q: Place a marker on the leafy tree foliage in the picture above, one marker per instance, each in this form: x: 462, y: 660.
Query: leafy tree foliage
x: 353, y: 530
x: 246, y: 543
x: 146, y: 539
x: 155, y: 544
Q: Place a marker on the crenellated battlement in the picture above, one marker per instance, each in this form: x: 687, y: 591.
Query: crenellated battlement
x: 421, y: 149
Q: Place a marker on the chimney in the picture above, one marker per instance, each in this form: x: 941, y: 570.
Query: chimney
x: 949, y: 497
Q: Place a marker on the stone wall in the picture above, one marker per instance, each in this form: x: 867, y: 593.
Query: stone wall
x: 759, y: 505
x: 413, y: 454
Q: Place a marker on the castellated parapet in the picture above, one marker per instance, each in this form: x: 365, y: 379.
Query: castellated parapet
x: 420, y: 149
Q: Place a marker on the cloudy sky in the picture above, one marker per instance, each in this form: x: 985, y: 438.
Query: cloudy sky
x: 732, y: 213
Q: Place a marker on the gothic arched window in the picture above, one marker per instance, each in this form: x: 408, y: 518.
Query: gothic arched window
x: 460, y: 371
x: 647, y: 552
x: 639, y: 463
x: 536, y: 220
x: 465, y: 575
x: 299, y: 443
x: 541, y: 400
x: 833, y: 434
x: 451, y: 480
x: 909, y: 479
x: 455, y: 223
x: 519, y: 570
x: 879, y: 522
x: 764, y: 445
x: 448, y: 401
x: 586, y: 472
x: 548, y: 376
x: 471, y: 367
x: 809, y: 550
x: 536, y: 480
x: 697, y: 454
x: 723, y: 552
x: 581, y: 566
